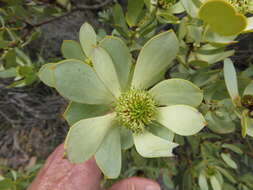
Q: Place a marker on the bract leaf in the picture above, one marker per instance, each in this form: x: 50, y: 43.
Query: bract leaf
x: 181, y: 119
x: 85, y: 137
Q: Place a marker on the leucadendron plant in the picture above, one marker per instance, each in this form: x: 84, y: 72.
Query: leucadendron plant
x: 116, y: 104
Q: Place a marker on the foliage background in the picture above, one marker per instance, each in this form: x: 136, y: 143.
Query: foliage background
x: 31, y: 125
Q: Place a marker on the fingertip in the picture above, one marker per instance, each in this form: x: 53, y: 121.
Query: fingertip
x: 136, y: 183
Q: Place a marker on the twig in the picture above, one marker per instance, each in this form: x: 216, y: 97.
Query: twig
x: 30, y: 27
x: 53, y: 19
x: 98, y: 6
x: 77, y: 8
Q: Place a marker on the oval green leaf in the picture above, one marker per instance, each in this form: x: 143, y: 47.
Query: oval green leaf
x: 218, y: 124
x: 72, y: 50
x: 46, y: 74
x: 126, y: 138
x: 249, y: 89
x: 177, y: 91
x: 231, y: 79
x: 154, y: 58
x: 85, y: 137
x: 78, y: 82
x: 228, y: 160
x: 181, y: 119
x: 222, y: 17
x: 76, y: 112
x: 158, y: 130
x: 108, y: 156
x: 121, y: 58
x: 150, y: 146
x: 88, y: 39
x: 215, y: 183
x: 203, y: 182
x: 106, y: 71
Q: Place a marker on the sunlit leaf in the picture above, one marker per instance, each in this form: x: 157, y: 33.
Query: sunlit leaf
x: 222, y: 17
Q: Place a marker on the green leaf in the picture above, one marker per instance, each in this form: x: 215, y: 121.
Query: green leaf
x: 121, y: 58
x: 231, y: 79
x: 244, y: 123
x: 72, y: 50
x: 106, y: 71
x: 167, y: 179
x: 177, y: 8
x: 233, y: 147
x: 8, y: 73
x: 219, y: 177
x: 29, y: 79
x: 78, y: 82
x: 195, y: 33
x: 4, y: 44
x: 203, y: 182
x: 215, y: 183
x: 190, y: 7
x: 88, y: 38
x: 247, y: 124
x: 228, y: 187
x: 218, y: 124
x: 24, y: 71
x: 218, y: 40
x: 228, y: 160
x: 7, y: 184
x: 226, y: 174
x: 161, y: 131
x: 249, y: 27
x: 10, y: 59
x: 213, y: 58
x: 76, y: 112
x: 119, y: 18
x: 187, y: 182
x: 249, y: 89
x: 222, y: 17
x: 250, y: 127
x: 167, y: 17
x: 150, y: 146
x: 154, y: 58
x: 134, y: 9
x: 108, y: 156
x: 46, y: 74
x: 126, y: 138
x: 177, y: 91
x: 85, y: 137
x: 190, y: 121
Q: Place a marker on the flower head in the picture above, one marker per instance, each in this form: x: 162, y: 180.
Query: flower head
x: 247, y: 101
x: 112, y: 108
x: 241, y: 6
x: 166, y: 4
x: 136, y: 109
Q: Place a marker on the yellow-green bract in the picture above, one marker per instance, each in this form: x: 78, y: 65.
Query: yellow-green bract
x: 222, y: 17
x: 94, y: 91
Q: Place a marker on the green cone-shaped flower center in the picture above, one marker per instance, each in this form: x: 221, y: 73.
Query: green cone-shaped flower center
x: 135, y: 109
x: 242, y: 6
x: 165, y: 4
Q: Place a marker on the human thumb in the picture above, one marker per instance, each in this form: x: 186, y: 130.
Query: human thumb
x: 136, y: 183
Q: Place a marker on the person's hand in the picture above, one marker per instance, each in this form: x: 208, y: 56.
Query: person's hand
x: 59, y: 174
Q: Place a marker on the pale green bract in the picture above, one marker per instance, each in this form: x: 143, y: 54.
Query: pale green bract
x: 146, y: 117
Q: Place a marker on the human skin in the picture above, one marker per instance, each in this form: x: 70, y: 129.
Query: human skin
x: 59, y: 174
